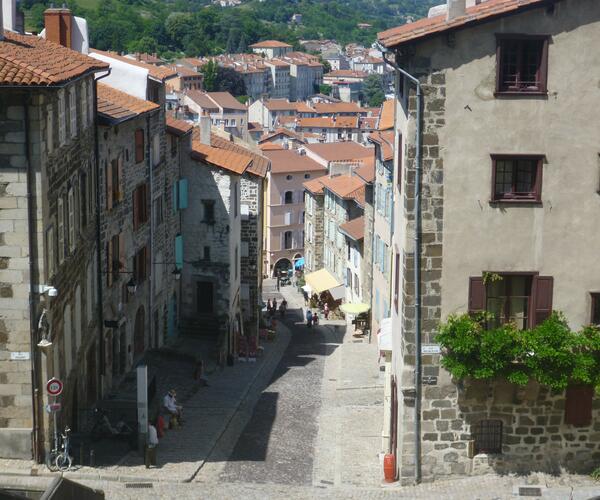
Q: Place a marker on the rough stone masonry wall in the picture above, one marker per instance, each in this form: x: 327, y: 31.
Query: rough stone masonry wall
x: 315, y: 247
x: 251, y: 189
x: 432, y: 205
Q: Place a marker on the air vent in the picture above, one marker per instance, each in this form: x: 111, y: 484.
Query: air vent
x: 530, y: 491
x: 138, y: 485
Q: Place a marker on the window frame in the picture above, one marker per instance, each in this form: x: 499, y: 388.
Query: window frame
x: 479, y: 448
x: 139, y: 142
x: 595, y: 303
x: 291, y: 198
x: 533, y: 197
x: 542, y: 89
x: 205, y: 212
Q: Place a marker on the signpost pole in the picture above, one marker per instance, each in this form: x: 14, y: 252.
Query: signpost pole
x: 142, y: 405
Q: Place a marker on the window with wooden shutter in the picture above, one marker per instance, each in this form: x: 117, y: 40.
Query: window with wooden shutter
x: 140, y: 205
x: 122, y: 256
x: 73, y: 111
x: 109, y: 186
x: 399, y: 163
x: 140, y: 265
x: 109, y: 259
x: 119, y: 178
x: 542, y: 298
x: 139, y: 145
x: 578, y: 405
x: 62, y: 124
x: 61, y: 230
x: 476, y: 295
x: 71, y: 219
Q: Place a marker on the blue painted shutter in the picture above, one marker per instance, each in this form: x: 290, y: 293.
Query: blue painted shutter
x: 179, y: 251
x: 183, y: 193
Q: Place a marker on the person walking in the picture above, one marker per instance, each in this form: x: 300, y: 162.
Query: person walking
x: 284, y: 306
x: 315, y: 319
x: 150, y: 452
x: 269, y: 307
x: 309, y: 316
x: 326, y: 311
x: 274, y: 306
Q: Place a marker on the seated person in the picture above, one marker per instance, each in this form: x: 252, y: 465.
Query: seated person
x: 170, y: 404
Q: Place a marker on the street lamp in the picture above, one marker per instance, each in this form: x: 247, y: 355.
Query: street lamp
x: 43, y: 328
x: 131, y: 286
x: 176, y: 273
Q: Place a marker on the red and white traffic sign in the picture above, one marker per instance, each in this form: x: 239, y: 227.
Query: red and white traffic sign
x: 54, y: 387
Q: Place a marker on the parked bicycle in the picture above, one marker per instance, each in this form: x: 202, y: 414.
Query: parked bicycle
x: 59, y: 459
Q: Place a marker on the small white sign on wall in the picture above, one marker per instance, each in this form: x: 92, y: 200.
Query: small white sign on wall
x: 19, y: 356
x: 430, y: 349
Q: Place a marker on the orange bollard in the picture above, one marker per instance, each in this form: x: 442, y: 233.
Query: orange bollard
x: 389, y: 468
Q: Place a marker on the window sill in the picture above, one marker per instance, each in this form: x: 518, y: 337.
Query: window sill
x: 517, y: 201
x: 521, y: 93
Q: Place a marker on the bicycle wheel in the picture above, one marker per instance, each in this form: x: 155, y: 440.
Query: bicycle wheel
x: 51, y: 461
x: 63, y: 462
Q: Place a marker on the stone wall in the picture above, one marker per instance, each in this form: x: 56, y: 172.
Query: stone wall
x: 314, y: 248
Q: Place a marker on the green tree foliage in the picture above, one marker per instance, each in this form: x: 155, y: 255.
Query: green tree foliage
x: 324, y: 89
x: 219, y: 79
x: 373, y: 90
x: 210, y: 73
x: 550, y: 353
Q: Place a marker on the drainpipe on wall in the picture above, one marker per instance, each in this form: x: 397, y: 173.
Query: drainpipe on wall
x: 416, y: 259
x: 149, y: 148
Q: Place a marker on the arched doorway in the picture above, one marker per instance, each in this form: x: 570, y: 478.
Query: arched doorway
x: 281, y: 265
x: 139, y: 332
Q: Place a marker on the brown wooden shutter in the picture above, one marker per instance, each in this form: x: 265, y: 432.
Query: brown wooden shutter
x: 139, y: 145
x: 578, y: 405
x: 135, y: 208
x: 120, y: 177
x: 109, y: 259
x: 542, y: 298
x: 122, y: 263
x: 476, y: 294
x: 109, y: 186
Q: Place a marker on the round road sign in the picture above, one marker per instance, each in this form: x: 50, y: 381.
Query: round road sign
x: 54, y: 387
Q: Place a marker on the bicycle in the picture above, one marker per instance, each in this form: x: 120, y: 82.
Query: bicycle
x: 60, y: 461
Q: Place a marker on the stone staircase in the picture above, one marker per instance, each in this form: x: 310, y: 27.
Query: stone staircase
x: 206, y: 326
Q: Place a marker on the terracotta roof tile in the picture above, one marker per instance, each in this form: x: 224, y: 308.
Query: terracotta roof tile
x: 270, y: 146
x: 346, y: 73
x: 269, y: 44
x: 315, y: 186
x: 260, y: 164
x: 30, y: 60
x: 227, y: 160
x: 178, y: 127
x: 255, y: 127
x: 385, y: 139
x: 366, y: 172
x: 326, y: 108
x: 214, y: 100
x: 344, y: 186
x: 160, y: 73
x: 386, y: 118
x: 291, y: 160
x: 427, y: 27
x: 281, y: 131
x: 329, y: 122
x: 354, y: 228
x: 117, y: 105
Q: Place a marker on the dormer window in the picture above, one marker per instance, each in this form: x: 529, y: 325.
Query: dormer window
x: 522, y: 64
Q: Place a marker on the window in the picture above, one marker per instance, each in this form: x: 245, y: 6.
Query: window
x: 140, y: 205
x: 50, y: 128
x: 396, y: 282
x: 522, y: 64
x: 62, y: 117
x: 61, y: 230
x: 578, y: 405
x: 82, y: 201
x: 522, y: 298
x: 236, y: 262
x: 288, y: 177
x: 71, y: 219
x: 595, y: 309
x: 287, y: 240
x: 288, y: 197
x: 50, y: 255
x: 399, y: 161
x: 155, y: 150
x: 487, y: 435
x: 309, y: 236
x: 307, y: 176
x: 287, y: 218
x: 158, y: 211
x: 516, y: 178
x: 114, y: 172
x: 84, y: 109
x: 236, y: 199
x: 356, y: 284
x: 209, y: 211
x: 206, y: 253
x: 139, y: 145
x: 113, y: 263
x: 91, y: 100
x: 72, y: 112
x: 348, y: 278
x: 140, y: 263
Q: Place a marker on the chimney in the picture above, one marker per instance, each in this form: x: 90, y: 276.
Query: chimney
x: 456, y: 8
x: 59, y: 26
x: 205, y: 129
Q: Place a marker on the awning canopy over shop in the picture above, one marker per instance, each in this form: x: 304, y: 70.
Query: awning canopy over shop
x: 355, y: 308
x: 384, y: 336
x: 321, y: 281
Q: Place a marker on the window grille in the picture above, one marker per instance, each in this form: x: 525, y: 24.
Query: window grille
x: 487, y: 435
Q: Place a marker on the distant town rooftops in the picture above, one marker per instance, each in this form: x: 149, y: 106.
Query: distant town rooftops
x: 366, y: 171
x: 185, y: 71
x: 270, y: 44
x: 329, y: 108
x: 345, y: 186
x: 280, y: 131
x: 328, y: 122
x: 431, y: 26
x: 116, y: 106
x: 31, y: 60
x: 346, y: 73
x: 146, y: 58
x: 292, y: 160
x: 215, y: 100
x: 160, y: 73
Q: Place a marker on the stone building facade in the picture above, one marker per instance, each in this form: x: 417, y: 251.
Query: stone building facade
x: 470, y: 138
x: 313, y: 225
x: 48, y: 250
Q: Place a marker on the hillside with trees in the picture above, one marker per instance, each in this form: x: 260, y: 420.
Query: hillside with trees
x: 197, y: 28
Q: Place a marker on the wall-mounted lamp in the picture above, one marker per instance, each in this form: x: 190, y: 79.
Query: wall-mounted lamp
x: 131, y: 286
x: 176, y: 273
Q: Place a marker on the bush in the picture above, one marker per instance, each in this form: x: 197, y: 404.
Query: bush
x: 549, y: 353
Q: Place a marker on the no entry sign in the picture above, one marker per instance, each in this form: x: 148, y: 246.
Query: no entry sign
x: 54, y: 387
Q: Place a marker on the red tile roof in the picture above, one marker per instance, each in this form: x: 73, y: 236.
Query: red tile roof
x: 290, y: 160
x: 354, y: 228
x: 160, y: 73
x: 269, y: 44
x: 344, y: 186
x: 214, y: 100
x: 385, y: 139
x: 117, y: 105
x: 329, y: 122
x: 30, y: 60
x: 346, y: 73
x: 260, y: 164
x: 178, y: 127
x: 227, y: 160
x: 366, y: 172
x: 330, y: 108
x: 315, y: 186
x: 280, y: 131
x: 427, y: 27
x: 270, y: 146
x: 386, y: 118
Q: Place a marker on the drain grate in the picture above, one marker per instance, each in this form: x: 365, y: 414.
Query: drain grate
x: 530, y: 491
x: 138, y: 485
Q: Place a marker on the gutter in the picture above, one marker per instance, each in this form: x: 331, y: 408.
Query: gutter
x: 416, y: 259
x: 149, y: 151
